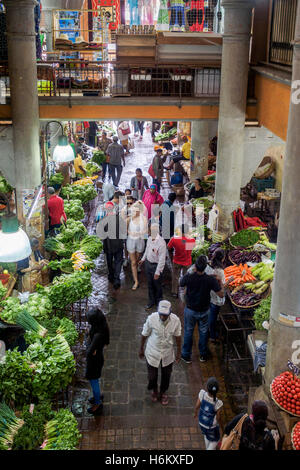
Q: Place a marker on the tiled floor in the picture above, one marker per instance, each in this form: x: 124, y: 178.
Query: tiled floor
x: 130, y: 419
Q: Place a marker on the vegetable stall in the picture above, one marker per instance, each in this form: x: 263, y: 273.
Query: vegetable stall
x: 36, y: 373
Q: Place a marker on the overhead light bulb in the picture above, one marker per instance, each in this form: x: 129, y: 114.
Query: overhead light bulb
x: 63, y: 152
x: 14, y: 242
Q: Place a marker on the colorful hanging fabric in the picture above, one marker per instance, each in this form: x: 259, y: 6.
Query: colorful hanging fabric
x: 195, y: 15
x: 134, y: 12
x: 177, y: 19
x: 163, y: 16
x: 146, y: 11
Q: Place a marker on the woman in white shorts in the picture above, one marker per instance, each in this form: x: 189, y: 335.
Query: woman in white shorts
x: 137, y: 232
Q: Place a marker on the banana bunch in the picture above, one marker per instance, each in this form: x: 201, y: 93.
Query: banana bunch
x: 263, y: 272
x: 256, y: 287
x: 80, y: 261
x: 85, y: 181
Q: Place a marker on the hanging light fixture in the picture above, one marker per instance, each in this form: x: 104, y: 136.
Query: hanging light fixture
x: 14, y: 242
x: 63, y: 152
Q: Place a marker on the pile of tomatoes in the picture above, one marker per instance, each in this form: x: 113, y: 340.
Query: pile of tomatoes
x: 286, y: 392
x: 296, y: 436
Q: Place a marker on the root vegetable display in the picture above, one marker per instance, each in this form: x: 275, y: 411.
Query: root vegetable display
x: 241, y: 274
x: 245, y: 299
x: 242, y: 256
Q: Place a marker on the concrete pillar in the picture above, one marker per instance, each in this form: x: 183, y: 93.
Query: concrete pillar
x: 24, y: 98
x: 284, y: 335
x: 200, y: 145
x: 233, y: 98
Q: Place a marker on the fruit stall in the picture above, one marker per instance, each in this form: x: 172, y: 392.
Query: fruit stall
x: 39, y: 332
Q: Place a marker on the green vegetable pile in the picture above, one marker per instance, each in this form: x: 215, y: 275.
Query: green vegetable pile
x: 31, y: 435
x: 68, y: 288
x: 62, y: 432
x: 167, y: 135
x: 74, y: 209
x: 92, y: 246
x: 43, y: 370
x: 200, y: 249
x: 4, y: 186
x: 38, y: 306
x: 72, y: 230
x: 65, y: 265
x: 54, y: 366
x: 56, y: 326
x: 9, y: 426
x: 56, y: 179
x: 262, y: 313
x: 244, y: 238
x: 206, y: 203
x: 16, y: 378
x: 99, y: 157
x: 3, y: 291
x: 84, y: 193
x: 92, y: 168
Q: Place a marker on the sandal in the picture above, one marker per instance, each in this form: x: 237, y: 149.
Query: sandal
x: 154, y: 396
x: 135, y: 287
x: 164, y: 399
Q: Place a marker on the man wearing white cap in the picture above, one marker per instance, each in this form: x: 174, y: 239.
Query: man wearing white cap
x: 162, y: 329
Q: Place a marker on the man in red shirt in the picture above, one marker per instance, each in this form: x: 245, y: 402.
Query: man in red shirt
x: 182, y: 257
x: 56, y: 209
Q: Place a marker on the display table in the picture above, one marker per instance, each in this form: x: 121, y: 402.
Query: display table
x: 268, y: 203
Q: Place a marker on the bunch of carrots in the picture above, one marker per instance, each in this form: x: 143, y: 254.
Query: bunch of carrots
x: 240, y: 273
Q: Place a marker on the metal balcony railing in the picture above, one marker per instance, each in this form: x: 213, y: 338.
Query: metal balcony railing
x: 283, y: 31
x: 82, y: 78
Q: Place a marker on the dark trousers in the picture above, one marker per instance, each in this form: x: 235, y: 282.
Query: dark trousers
x: 114, y: 264
x: 115, y: 171
x: 165, y: 377
x: 105, y: 167
x: 155, y: 292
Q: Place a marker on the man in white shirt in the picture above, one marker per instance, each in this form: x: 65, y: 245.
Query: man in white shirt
x: 162, y: 331
x: 155, y: 257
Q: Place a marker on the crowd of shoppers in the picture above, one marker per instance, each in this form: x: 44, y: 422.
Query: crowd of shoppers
x: 142, y: 225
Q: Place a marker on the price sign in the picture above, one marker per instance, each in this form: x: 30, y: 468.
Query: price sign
x: 293, y: 368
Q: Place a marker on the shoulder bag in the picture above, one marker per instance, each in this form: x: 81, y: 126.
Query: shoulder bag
x: 232, y: 442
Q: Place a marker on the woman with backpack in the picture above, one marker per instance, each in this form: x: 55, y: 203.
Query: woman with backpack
x: 208, y: 409
x: 254, y: 434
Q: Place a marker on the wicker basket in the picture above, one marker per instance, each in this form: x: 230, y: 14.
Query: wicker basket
x: 247, y: 307
x: 283, y: 409
x: 269, y: 172
x: 292, y: 437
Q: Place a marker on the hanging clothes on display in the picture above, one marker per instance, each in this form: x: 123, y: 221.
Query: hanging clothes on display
x: 195, y: 15
x: 133, y: 6
x: 163, y: 16
x: 147, y: 9
x: 177, y: 19
x: 219, y: 18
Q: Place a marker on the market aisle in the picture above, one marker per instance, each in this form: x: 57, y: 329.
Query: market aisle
x: 131, y: 420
